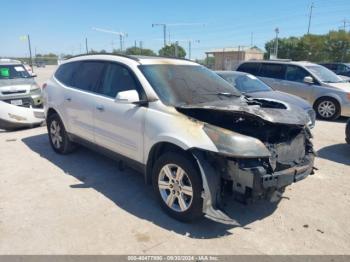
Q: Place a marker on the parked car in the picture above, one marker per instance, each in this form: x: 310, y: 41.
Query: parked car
x: 185, y: 128
x: 327, y: 92
x: 347, y: 132
x: 251, y: 86
x: 342, y: 69
x: 40, y: 64
x: 21, y: 103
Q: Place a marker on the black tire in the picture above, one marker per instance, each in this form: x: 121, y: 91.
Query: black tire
x: 332, y: 102
x: 347, y: 132
x: 65, y: 146
x: 194, y: 210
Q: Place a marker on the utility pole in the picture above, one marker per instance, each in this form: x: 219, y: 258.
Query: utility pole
x: 176, y: 49
x: 310, y: 17
x: 277, y: 31
x: 86, y: 45
x: 164, y: 31
x: 177, y: 24
x: 141, y: 44
x: 30, y: 53
x: 190, y: 47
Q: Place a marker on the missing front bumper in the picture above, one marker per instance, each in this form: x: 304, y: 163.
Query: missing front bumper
x: 249, y: 178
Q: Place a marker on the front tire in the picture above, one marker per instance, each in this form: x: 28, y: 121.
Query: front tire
x: 58, y: 136
x: 327, y: 109
x: 178, y: 186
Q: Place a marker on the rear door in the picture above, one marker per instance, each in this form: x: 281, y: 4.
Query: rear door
x: 119, y: 127
x: 79, y: 98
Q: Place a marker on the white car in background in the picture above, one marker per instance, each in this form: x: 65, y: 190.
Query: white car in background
x: 21, y: 103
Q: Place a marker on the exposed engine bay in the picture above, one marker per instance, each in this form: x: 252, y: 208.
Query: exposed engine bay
x: 262, y: 148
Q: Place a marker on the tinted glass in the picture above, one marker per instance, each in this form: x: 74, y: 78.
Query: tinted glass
x: 324, y: 74
x: 272, y: 71
x: 88, y: 75
x: 116, y: 79
x: 246, y: 83
x: 65, y: 72
x: 251, y: 68
x: 296, y: 74
x: 187, y: 84
x: 13, y: 71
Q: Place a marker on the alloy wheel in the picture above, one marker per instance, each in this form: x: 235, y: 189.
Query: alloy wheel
x: 327, y: 109
x: 175, y: 187
x: 55, y: 134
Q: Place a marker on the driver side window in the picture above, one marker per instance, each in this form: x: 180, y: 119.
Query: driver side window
x: 296, y: 74
x: 117, y: 78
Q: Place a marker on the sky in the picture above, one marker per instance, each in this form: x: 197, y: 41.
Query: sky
x: 61, y: 26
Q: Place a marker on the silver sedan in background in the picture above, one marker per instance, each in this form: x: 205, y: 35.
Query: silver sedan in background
x: 251, y: 86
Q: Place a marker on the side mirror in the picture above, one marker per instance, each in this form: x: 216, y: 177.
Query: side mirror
x: 309, y: 80
x: 127, y: 97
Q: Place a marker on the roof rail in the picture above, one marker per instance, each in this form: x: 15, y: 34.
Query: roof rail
x: 120, y: 55
x: 281, y: 60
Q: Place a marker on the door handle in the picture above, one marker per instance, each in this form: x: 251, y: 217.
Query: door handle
x: 100, y: 108
x: 69, y: 99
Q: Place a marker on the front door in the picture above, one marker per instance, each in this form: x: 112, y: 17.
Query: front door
x: 119, y: 126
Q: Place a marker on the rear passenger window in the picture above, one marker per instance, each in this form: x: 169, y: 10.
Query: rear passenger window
x: 65, y: 72
x: 296, y: 74
x: 251, y: 68
x: 272, y: 71
x: 116, y: 79
x: 88, y: 75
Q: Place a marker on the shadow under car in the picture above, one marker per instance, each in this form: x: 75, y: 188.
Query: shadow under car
x: 127, y: 189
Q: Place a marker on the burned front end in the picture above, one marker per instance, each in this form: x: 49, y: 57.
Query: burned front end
x: 261, y: 150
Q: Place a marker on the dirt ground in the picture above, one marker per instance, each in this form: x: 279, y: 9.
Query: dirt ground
x: 83, y: 204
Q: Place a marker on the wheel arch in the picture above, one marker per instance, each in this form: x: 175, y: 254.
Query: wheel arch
x: 160, y: 148
x: 52, y: 111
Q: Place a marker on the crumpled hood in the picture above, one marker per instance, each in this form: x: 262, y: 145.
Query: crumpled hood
x: 291, y: 115
x: 283, y: 97
x: 16, y: 82
x: 343, y: 86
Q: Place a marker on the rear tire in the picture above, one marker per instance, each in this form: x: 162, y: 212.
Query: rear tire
x: 327, y: 108
x: 178, y: 186
x: 58, y: 136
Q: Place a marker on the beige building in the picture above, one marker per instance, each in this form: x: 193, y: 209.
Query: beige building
x: 228, y: 58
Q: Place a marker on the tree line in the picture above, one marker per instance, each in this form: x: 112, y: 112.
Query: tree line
x: 331, y: 47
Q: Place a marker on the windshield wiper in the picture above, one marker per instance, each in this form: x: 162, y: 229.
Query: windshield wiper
x: 227, y: 94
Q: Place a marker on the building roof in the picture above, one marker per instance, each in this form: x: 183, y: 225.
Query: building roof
x: 236, y: 49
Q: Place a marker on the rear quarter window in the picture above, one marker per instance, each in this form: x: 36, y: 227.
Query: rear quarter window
x: 65, y: 73
x: 251, y: 68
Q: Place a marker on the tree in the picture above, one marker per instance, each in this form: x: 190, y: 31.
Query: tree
x: 169, y: 50
x: 139, y: 51
x: 333, y: 47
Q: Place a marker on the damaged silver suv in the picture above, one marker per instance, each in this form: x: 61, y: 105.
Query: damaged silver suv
x: 193, y: 137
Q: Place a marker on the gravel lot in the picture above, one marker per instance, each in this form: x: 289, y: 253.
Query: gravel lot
x: 83, y: 204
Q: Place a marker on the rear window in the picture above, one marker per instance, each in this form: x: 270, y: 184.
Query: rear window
x: 13, y: 72
x: 272, y: 71
x: 88, y: 75
x: 251, y: 68
x: 65, y: 73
